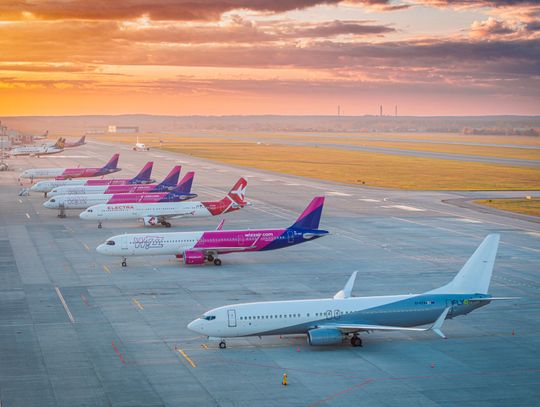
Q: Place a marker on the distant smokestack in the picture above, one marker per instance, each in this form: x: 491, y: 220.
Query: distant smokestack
x: 395, y: 111
x: 380, y: 110
x: 338, y: 110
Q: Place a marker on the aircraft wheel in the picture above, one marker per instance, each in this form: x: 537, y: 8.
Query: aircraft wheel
x: 210, y: 258
x: 356, y: 341
x: 99, y: 225
x: 167, y: 225
x: 217, y: 262
x: 124, y: 263
x: 222, y: 345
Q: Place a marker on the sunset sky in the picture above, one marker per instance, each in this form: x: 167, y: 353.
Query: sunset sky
x: 183, y: 57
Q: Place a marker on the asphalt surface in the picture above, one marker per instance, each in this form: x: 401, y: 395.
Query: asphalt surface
x: 76, y: 328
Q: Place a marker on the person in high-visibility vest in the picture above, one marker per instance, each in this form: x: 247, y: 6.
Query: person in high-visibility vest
x: 284, y: 381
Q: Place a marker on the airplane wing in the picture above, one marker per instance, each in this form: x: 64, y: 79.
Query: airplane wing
x: 351, y: 328
x: 493, y: 299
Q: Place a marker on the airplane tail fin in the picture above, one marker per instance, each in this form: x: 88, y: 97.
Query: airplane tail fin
x: 475, y: 275
x: 184, y: 186
x: 310, y: 218
x: 112, y: 164
x: 60, y: 143
x: 172, y: 178
x: 144, y: 174
x: 237, y: 194
x: 82, y: 140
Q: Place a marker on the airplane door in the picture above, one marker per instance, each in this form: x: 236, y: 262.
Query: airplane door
x: 337, y: 314
x: 231, y: 314
x: 241, y: 240
x: 328, y: 314
x: 290, y: 236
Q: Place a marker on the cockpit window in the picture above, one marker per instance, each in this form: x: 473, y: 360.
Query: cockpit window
x: 110, y: 243
x: 209, y: 317
x: 89, y: 210
x: 53, y: 200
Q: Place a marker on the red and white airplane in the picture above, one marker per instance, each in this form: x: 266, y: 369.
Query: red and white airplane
x: 143, y: 177
x: 158, y: 213
x: 69, y: 173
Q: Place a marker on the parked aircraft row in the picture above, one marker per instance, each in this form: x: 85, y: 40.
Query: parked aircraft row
x: 47, y: 149
x: 69, y: 173
x: 323, y: 321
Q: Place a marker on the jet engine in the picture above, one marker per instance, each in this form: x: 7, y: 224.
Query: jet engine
x: 193, y: 257
x: 324, y: 336
x: 150, y: 221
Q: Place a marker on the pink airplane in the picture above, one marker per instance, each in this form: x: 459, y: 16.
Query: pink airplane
x: 143, y: 177
x: 69, y: 173
x: 168, y: 184
x: 201, y: 247
x: 180, y: 193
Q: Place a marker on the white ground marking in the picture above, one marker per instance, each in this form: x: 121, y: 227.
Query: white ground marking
x: 68, y: 312
x: 222, y: 170
x: 293, y: 185
x: 468, y: 220
x: 336, y: 193
x: 368, y: 200
x: 28, y: 216
x: 404, y: 207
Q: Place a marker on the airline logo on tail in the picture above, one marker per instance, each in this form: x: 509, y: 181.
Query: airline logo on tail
x: 238, y: 192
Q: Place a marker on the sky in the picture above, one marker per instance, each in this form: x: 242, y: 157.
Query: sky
x: 250, y: 57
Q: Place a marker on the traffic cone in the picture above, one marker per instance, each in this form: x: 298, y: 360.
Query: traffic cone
x: 284, y: 380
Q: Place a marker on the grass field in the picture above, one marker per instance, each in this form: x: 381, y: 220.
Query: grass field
x: 352, y: 167
x: 524, y: 206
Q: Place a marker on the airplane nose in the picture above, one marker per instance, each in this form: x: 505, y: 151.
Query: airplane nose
x: 195, y: 325
x: 48, y: 204
x: 84, y: 215
x: 101, y: 248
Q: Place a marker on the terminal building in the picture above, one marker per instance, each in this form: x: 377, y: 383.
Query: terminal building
x: 123, y: 129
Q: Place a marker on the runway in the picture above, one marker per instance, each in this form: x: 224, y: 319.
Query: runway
x: 76, y: 328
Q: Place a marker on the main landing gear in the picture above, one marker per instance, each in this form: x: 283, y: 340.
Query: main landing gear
x: 356, y: 341
x: 214, y: 260
x: 99, y: 225
x: 124, y: 262
x: 222, y: 344
x: 166, y: 224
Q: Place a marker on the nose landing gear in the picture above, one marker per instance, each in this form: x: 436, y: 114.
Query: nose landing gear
x: 124, y: 262
x: 222, y: 344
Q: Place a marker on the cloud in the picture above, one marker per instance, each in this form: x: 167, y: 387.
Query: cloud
x: 181, y: 10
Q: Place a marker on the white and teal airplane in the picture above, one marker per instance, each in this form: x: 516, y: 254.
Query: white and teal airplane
x: 328, y: 321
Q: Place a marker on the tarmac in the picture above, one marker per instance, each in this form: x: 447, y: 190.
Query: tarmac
x: 77, y: 329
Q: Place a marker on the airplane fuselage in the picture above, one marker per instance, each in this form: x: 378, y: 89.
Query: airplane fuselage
x: 47, y: 186
x: 300, y: 316
x: 86, y: 201
x: 67, y: 173
x: 108, y: 189
x: 176, y: 243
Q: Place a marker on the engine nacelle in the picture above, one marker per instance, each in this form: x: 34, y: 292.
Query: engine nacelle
x: 324, y: 336
x: 150, y: 221
x: 194, y: 257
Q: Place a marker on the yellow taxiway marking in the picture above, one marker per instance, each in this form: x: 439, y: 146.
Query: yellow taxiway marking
x: 181, y: 352
x: 86, y: 247
x: 28, y: 216
x: 137, y: 303
x: 204, y: 345
x: 106, y: 269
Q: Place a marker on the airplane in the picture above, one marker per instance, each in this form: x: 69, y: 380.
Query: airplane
x: 180, y: 193
x: 153, y: 214
x: 143, y: 177
x: 71, y: 144
x: 168, y: 184
x: 69, y: 173
x: 140, y: 146
x: 199, y: 247
x: 328, y: 321
x: 37, y: 151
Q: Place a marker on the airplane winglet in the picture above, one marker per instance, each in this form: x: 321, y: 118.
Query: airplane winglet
x: 436, y: 327
x: 346, y: 292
